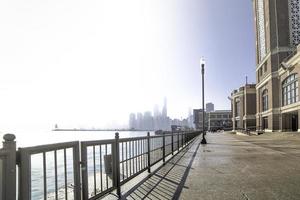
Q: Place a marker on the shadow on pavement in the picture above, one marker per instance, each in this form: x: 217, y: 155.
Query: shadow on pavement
x: 167, y: 181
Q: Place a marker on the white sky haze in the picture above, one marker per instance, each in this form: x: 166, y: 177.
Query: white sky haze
x: 91, y: 63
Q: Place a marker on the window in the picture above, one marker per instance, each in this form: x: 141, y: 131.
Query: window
x: 265, y: 100
x: 290, y: 90
x: 237, y: 108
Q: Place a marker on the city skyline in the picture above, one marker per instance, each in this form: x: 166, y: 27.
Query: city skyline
x: 158, y: 119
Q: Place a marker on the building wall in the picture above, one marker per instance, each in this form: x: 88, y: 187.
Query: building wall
x: 278, y: 47
x: 245, y: 118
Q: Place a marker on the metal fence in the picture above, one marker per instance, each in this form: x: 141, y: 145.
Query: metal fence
x: 81, y: 170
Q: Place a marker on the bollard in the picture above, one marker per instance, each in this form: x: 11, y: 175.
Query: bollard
x: 9, y: 145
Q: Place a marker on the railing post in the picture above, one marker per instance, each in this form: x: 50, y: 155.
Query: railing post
x: 9, y: 145
x: 116, y: 166
x: 164, y: 147
x: 172, y: 142
x: 76, y: 169
x: 84, y: 171
x: 148, y: 152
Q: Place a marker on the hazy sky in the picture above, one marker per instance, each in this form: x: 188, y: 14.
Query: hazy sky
x: 91, y: 63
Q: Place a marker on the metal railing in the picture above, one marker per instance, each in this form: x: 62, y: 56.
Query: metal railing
x: 56, y: 165
x: 82, y: 170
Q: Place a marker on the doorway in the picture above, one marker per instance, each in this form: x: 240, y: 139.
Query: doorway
x: 265, y: 123
x: 294, y: 122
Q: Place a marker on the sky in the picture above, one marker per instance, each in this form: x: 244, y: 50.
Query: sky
x: 90, y: 63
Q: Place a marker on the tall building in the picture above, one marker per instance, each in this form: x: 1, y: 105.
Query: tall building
x: 209, y: 107
x: 164, y: 110
x: 148, y: 121
x: 277, y: 27
x: 139, y: 121
x: 132, y: 121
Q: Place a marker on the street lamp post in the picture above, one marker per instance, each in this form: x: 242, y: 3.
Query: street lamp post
x: 202, y: 63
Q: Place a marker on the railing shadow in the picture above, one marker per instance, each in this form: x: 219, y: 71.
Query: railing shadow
x: 168, y: 180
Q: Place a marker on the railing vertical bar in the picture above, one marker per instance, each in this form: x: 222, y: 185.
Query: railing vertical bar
x: 172, y: 143
x: 148, y: 152
x: 145, y: 153
x: 129, y: 149
x: 126, y: 146
x: 178, y: 145
x: 84, y: 171
x: 141, y: 154
x: 55, y: 171
x: 106, y: 172
x: 145, y: 157
x: 123, y: 161
x: 164, y: 147
x: 132, y: 156
x: 141, y: 161
x: 45, y: 175
x: 66, y: 173
x: 136, y: 157
x: 94, y: 163
x: 101, y: 181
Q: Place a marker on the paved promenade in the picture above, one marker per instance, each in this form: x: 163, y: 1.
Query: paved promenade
x: 242, y: 167
x: 228, y: 167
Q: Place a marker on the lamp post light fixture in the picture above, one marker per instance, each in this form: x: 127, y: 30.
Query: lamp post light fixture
x: 202, y: 63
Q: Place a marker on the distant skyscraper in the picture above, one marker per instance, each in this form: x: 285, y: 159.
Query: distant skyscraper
x: 139, y: 120
x: 210, y: 107
x: 156, y: 112
x: 164, y: 110
x: 148, y: 121
x: 132, y: 121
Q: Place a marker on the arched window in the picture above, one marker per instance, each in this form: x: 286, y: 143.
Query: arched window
x: 290, y: 90
x: 265, y: 100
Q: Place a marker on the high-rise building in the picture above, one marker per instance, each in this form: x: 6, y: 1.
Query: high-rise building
x: 209, y: 107
x: 148, y: 121
x: 156, y: 112
x: 277, y: 26
x: 164, y: 110
x: 132, y: 121
x: 139, y: 121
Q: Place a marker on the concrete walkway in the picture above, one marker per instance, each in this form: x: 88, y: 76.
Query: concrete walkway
x: 246, y: 167
x: 167, y: 181
x: 228, y: 167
